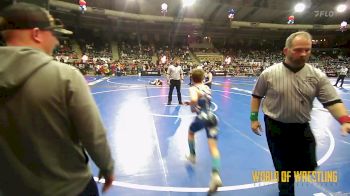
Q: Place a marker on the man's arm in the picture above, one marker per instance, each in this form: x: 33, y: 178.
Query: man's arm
x: 181, y: 74
x: 339, y: 112
x: 87, y: 123
x: 255, y: 104
x: 330, y: 99
x: 258, y: 93
x: 193, y: 99
x: 254, y: 111
x: 168, y: 75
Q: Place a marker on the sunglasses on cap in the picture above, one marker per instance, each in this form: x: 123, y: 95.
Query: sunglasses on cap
x: 58, y: 29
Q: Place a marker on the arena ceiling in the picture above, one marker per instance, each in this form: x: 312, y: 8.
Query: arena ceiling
x: 212, y: 12
x: 269, y: 11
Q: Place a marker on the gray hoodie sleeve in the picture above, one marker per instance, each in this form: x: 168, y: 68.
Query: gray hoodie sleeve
x: 87, y: 123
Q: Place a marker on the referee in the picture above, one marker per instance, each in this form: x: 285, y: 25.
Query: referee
x: 342, y: 75
x: 174, y: 77
x: 289, y: 89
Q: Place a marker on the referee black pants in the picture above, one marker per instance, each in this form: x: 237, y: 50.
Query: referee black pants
x: 177, y: 84
x: 340, y: 77
x: 293, y: 148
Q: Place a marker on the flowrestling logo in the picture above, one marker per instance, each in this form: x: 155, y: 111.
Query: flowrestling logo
x: 324, y: 13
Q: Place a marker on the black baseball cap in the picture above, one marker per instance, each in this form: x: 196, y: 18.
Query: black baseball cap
x: 28, y: 16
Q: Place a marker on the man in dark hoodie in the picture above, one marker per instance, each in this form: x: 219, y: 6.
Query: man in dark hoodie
x: 48, y: 117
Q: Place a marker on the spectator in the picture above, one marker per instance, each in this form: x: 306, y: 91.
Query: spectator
x: 48, y: 117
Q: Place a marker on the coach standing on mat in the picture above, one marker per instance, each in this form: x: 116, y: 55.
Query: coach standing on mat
x: 175, y: 76
x: 288, y: 90
x: 48, y: 117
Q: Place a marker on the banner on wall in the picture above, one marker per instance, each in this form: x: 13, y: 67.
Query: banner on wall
x: 150, y: 73
x: 219, y: 73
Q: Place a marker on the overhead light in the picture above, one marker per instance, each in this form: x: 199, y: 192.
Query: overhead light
x: 188, y: 2
x: 341, y: 8
x: 299, y: 7
x: 164, y: 8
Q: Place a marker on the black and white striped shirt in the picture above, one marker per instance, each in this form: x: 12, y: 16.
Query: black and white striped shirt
x: 288, y: 96
x: 175, y: 73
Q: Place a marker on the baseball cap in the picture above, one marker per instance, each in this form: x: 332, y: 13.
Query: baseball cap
x: 28, y: 16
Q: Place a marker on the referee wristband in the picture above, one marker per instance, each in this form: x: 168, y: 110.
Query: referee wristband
x: 344, y: 119
x: 254, y: 116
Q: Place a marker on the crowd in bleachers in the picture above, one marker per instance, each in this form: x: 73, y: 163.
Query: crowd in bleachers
x: 64, y: 52
x: 165, y: 54
x: 135, y: 58
x: 205, y: 50
x: 139, y: 52
x: 96, y: 57
x: 95, y: 49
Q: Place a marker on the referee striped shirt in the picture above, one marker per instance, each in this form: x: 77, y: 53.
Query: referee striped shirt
x: 175, y: 72
x: 288, y: 96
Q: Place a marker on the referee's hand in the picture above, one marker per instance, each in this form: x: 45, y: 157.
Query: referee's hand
x: 345, y: 129
x: 256, y: 127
